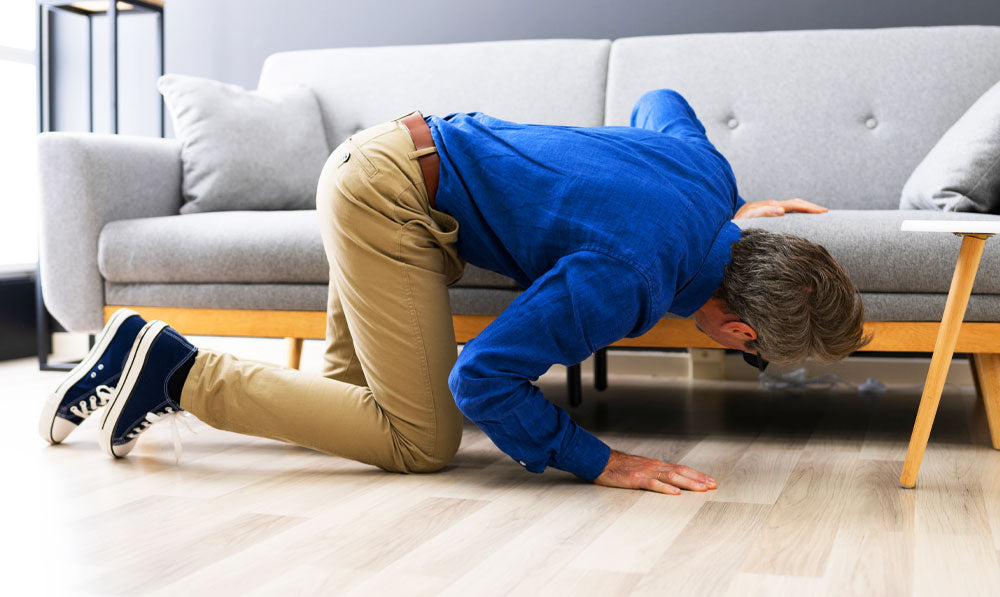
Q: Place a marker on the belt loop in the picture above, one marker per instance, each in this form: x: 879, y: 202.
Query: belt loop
x: 421, y: 152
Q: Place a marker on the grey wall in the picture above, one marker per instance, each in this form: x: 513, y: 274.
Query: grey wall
x: 229, y: 39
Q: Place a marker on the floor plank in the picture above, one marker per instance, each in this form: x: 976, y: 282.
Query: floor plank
x: 939, y: 570
x: 870, y: 562
x: 798, y: 535
x: 707, y: 554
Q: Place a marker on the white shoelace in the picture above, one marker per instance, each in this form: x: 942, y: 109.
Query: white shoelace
x: 173, y: 416
x: 88, y: 405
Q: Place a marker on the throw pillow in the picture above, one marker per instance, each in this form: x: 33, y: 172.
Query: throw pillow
x: 246, y: 150
x: 962, y: 171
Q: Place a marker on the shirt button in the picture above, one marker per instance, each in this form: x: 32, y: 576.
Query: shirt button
x: 347, y: 156
x: 521, y: 462
x: 871, y: 123
x: 733, y: 123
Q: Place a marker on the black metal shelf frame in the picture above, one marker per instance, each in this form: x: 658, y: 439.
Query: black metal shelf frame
x: 45, y: 324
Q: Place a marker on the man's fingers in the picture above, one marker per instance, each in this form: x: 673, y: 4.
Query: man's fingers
x: 764, y: 211
x: 660, y: 487
x: 636, y: 472
x: 700, y: 477
x: 800, y: 205
x: 675, y: 477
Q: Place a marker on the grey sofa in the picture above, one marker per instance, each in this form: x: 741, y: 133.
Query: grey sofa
x: 838, y: 117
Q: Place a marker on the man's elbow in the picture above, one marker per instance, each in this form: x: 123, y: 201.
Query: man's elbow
x: 457, y: 382
x: 478, y: 393
x: 455, y: 385
x: 660, y: 97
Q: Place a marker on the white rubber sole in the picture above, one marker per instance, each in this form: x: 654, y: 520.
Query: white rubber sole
x: 54, y: 429
x: 130, y: 375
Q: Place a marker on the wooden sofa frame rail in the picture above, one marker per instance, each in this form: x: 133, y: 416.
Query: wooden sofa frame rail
x: 889, y: 336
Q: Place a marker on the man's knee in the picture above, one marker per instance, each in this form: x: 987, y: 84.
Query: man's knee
x: 420, y: 461
x: 426, y: 465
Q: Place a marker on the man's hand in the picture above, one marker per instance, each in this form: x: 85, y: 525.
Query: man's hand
x: 635, y: 472
x: 772, y: 208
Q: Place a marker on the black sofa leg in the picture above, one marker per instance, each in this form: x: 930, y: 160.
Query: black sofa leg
x: 601, y: 369
x: 574, y: 385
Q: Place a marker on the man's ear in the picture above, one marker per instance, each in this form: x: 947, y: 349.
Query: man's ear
x: 740, y: 330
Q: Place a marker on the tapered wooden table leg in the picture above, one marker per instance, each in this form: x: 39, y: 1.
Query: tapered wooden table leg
x: 294, y: 352
x: 944, y: 348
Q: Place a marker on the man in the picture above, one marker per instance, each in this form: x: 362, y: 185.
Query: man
x: 607, y: 228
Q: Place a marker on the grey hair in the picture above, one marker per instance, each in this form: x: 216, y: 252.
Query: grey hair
x: 795, y: 295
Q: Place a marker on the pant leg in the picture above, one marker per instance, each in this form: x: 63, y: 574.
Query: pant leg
x: 340, y: 361
x: 392, y: 257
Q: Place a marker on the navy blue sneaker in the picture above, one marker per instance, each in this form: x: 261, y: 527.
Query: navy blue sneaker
x: 90, y: 384
x: 141, y: 397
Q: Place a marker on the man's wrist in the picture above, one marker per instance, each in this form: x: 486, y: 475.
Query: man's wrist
x: 584, y: 455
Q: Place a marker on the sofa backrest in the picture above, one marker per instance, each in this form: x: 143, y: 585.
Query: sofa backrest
x: 538, y: 81
x: 840, y: 117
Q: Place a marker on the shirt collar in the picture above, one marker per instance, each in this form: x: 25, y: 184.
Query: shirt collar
x: 703, y: 285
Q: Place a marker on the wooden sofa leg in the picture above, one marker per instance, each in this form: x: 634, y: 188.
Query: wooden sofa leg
x: 986, y: 369
x: 294, y: 352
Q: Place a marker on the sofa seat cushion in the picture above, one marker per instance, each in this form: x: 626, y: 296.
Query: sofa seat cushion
x: 880, y: 257
x: 284, y: 247
x: 230, y: 247
x: 235, y: 246
x: 282, y: 297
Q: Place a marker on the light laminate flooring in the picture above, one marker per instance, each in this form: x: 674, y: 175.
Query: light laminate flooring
x: 808, y: 504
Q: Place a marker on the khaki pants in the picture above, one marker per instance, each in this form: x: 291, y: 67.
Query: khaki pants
x: 384, y: 397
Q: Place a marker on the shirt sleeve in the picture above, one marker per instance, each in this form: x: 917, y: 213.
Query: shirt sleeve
x: 666, y: 111
x: 740, y: 202
x: 587, y: 301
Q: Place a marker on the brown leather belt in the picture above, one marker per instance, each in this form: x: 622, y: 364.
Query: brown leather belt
x: 430, y: 164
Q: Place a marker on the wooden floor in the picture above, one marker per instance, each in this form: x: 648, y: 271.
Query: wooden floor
x: 808, y: 504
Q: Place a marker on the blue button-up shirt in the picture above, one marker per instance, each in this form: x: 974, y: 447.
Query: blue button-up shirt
x: 607, y: 228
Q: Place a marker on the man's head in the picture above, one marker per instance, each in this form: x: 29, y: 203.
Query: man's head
x: 786, y: 299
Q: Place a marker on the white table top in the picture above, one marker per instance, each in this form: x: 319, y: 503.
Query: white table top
x: 955, y: 226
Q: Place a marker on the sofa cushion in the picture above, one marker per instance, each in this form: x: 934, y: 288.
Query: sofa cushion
x: 962, y: 171
x: 246, y: 149
x: 541, y: 81
x: 286, y: 248
x: 230, y: 247
x: 243, y: 246
x: 285, y: 297
x: 880, y: 257
x: 838, y: 117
